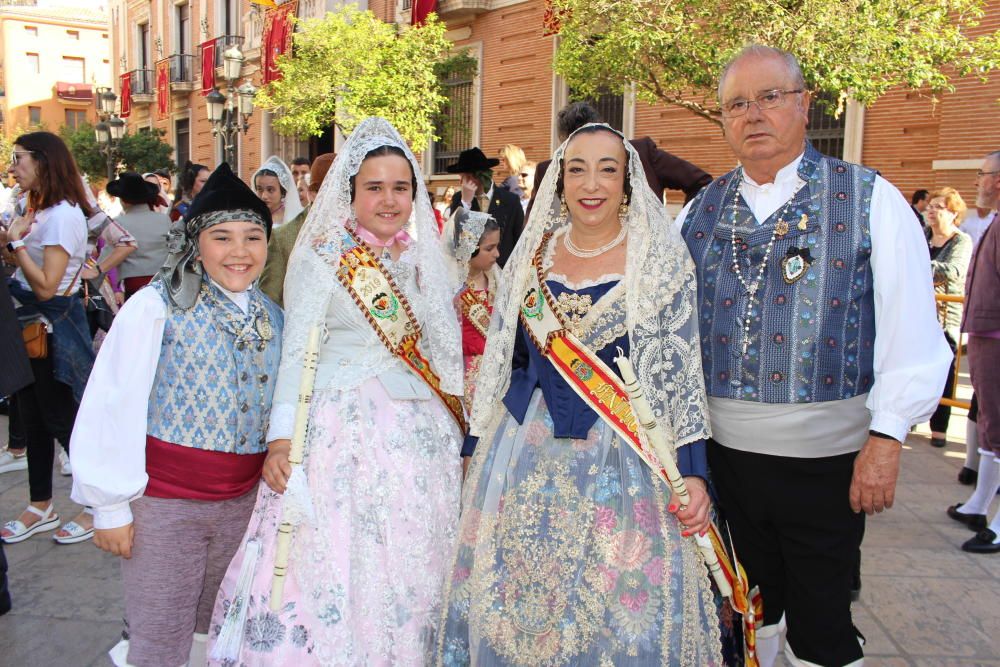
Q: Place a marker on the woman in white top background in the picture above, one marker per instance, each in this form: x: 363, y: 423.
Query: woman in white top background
x: 49, y: 245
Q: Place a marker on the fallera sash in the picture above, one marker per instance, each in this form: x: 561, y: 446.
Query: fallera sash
x: 476, y: 309
x: 605, y: 392
x: 388, y: 312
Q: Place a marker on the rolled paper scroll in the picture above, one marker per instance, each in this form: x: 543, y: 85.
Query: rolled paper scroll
x: 286, y: 528
x: 664, y: 452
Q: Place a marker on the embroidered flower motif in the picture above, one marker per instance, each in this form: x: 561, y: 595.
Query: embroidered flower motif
x: 535, y: 433
x: 264, y: 632
x: 634, y: 601
x: 645, y: 515
x: 330, y: 615
x: 470, y: 526
x: 605, y: 520
x: 629, y: 550
x: 610, y: 577
x: 300, y: 635
x: 654, y: 571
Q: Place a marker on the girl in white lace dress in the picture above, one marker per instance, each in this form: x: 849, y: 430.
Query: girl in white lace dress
x: 365, y: 574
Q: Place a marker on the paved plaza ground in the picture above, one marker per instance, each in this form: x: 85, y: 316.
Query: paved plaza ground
x: 924, y: 602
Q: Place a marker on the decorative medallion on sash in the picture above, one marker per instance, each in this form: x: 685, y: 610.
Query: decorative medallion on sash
x: 475, y: 307
x: 388, y: 312
x: 606, y: 393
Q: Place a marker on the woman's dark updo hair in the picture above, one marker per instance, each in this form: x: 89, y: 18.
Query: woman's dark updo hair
x: 594, y: 129
x: 186, y: 179
x: 388, y: 150
x: 268, y: 172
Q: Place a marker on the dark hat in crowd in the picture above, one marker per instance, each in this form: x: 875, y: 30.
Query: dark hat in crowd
x: 133, y: 188
x: 472, y: 161
x: 224, y: 191
x: 317, y: 172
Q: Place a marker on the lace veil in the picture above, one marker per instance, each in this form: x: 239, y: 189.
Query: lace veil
x: 661, y: 297
x: 292, y: 204
x: 312, y: 269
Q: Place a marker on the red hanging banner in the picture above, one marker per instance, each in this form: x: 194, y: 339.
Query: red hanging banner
x: 277, y: 38
x: 126, y: 95
x: 421, y: 10
x: 207, y: 67
x: 163, y: 88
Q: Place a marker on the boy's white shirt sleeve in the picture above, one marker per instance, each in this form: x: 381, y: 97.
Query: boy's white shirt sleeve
x: 108, y: 445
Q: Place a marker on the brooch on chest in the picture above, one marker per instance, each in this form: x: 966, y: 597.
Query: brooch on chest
x: 795, y: 263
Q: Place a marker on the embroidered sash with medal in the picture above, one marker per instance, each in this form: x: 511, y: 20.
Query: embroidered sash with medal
x: 389, y: 313
x: 476, y: 309
x: 601, y: 389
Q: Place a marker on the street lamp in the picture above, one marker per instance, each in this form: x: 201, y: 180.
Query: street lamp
x: 110, y: 130
x: 230, y: 113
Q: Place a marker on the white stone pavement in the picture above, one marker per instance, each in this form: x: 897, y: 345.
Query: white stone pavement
x: 924, y: 602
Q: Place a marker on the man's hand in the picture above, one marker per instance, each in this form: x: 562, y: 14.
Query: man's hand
x: 277, y: 469
x: 694, y: 517
x: 873, y: 485
x: 117, y: 541
x: 469, y: 188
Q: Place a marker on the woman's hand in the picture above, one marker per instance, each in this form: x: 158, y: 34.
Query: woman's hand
x: 20, y: 227
x: 90, y: 271
x: 117, y: 541
x: 119, y: 298
x: 694, y: 517
x: 277, y: 469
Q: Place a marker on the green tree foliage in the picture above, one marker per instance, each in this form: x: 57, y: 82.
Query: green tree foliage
x: 83, y: 145
x: 350, y: 65
x: 139, y: 151
x: 145, y: 151
x: 674, y: 51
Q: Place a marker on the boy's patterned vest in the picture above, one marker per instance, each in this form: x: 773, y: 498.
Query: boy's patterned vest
x: 216, y: 373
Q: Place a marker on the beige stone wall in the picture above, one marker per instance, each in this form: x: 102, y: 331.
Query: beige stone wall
x: 24, y: 88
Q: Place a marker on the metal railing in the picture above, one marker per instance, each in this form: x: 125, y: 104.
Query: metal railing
x: 953, y: 400
x: 182, y: 68
x: 142, y: 82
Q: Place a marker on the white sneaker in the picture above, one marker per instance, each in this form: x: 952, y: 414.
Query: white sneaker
x: 10, y: 463
x: 64, y: 466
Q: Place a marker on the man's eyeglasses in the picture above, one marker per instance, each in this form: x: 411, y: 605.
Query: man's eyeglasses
x: 15, y: 156
x: 771, y: 99
x: 986, y: 173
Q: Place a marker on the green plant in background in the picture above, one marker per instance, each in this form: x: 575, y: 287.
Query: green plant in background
x: 673, y: 52
x: 350, y: 65
x: 140, y: 151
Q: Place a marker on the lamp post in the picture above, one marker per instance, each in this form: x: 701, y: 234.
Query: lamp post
x: 110, y: 130
x: 230, y: 113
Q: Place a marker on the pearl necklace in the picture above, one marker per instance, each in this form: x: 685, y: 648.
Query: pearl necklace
x: 753, y: 287
x: 576, y: 251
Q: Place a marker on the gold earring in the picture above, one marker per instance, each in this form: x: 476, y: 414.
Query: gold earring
x: 622, y: 209
x: 563, y: 209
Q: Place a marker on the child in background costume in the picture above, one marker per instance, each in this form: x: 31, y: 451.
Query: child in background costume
x: 169, y: 440
x: 473, y: 239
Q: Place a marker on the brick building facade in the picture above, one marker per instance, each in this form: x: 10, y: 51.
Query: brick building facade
x: 515, y: 96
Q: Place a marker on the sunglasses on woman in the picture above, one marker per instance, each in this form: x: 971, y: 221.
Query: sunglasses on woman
x: 15, y: 156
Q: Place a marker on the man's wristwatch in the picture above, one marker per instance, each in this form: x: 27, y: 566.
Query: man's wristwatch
x: 14, y: 246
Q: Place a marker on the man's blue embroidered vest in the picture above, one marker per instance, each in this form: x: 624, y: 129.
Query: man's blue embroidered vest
x: 810, y: 339
x: 216, y: 373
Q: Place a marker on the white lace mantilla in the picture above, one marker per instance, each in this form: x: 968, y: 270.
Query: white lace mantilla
x: 661, y: 318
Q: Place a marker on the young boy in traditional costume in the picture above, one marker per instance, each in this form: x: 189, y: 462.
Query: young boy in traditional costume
x: 169, y: 440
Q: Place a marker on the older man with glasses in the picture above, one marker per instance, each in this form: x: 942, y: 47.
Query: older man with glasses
x: 981, y: 321
x: 820, y: 349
